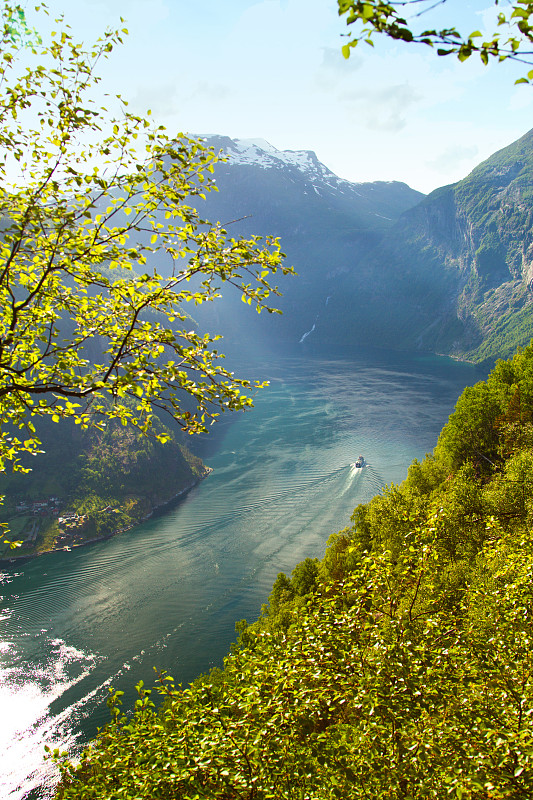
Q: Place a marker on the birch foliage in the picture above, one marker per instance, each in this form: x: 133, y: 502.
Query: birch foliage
x: 412, y: 22
x: 102, y: 253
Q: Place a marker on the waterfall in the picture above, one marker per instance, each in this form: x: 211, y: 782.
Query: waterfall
x: 304, y: 337
x: 307, y: 334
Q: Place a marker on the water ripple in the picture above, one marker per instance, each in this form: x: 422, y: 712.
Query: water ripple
x: 168, y: 592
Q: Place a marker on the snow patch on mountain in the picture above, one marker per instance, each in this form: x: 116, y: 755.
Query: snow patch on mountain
x: 259, y: 152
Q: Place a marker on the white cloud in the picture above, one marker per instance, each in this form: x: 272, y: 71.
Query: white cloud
x: 383, y: 109
x: 453, y: 158
x: 334, y: 61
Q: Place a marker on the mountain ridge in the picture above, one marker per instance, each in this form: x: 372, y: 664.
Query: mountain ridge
x: 454, y: 274
x: 323, y: 222
x: 448, y: 273
x: 306, y: 165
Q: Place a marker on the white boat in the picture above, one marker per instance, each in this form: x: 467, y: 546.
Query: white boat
x: 360, y: 462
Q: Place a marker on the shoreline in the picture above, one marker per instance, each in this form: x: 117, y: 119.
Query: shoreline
x: 20, y: 559
x: 460, y: 359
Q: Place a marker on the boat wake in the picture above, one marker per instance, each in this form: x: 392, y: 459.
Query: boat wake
x: 354, y: 474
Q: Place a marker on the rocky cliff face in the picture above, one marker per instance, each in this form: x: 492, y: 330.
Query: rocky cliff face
x: 455, y: 273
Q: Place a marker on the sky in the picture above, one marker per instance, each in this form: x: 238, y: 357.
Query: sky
x: 273, y: 69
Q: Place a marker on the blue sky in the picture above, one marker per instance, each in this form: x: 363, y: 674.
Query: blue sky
x: 273, y: 69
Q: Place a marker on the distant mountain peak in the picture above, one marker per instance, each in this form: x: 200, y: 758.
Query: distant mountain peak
x: 253, y: 148
x: 261, y: 144
x: 259, y: 152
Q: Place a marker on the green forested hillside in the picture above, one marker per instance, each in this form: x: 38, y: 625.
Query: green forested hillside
x: 112, y: 477
x: 399, y: 666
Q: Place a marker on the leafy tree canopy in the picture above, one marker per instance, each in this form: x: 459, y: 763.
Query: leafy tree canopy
x: 407, y: 21
x: 95, y: 208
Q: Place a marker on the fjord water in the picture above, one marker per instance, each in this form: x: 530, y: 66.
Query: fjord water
x: 167, y: 593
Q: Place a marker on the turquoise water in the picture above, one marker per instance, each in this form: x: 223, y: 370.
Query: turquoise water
x: 167, y: 593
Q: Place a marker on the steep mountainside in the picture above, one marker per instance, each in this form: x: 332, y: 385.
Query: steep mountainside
x: 326, y: 226
x: 455, y: 273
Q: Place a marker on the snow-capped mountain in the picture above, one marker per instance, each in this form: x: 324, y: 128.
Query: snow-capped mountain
x: 382, y: 199
x: 262, y: 154
x: 377, y: 263
x: 326, y: 225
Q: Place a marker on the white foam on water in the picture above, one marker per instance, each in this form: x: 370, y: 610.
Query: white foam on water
x: 27, y: 724
x: 355, y: 472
